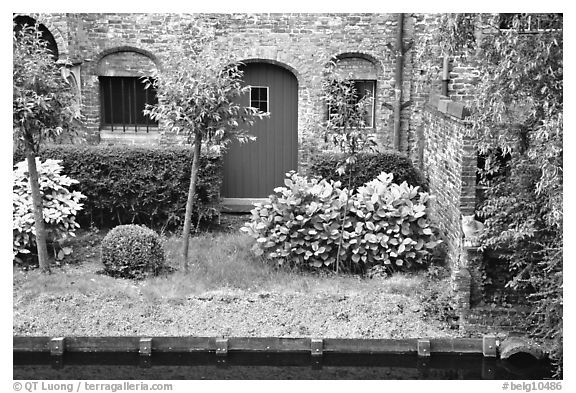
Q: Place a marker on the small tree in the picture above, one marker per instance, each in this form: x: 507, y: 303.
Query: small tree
x: 198, y: 90
x: 346, y: 125
x: 43, y: 106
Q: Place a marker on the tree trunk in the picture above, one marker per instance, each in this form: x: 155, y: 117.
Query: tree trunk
x: 38, y: 215
x: 190, y: 202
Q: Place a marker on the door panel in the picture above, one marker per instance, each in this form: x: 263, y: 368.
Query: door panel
x: 254, y: 169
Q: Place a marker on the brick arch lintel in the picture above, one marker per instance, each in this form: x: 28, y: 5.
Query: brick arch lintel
x: 280, y: 64
x: 61, y: 43
x: 361, y: 55
x: 125, y: 48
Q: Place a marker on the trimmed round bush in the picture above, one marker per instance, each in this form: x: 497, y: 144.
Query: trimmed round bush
x: 132, y: 251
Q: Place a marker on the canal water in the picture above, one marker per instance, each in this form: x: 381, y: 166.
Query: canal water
x: 255, y: 366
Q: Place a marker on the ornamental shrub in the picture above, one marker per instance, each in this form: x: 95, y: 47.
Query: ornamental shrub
x: 132, y: 251
x: 386, y: 224
x: 141, y: 185
x: 366, y: 166
x: 60, y: 206
x: 390, y: 224
x: 299, y: 224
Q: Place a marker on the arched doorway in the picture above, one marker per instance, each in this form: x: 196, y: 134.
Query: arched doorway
x: 252, y: 170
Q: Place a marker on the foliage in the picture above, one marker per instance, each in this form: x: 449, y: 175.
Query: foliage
x: 393, y: 216
x: 384, y: 224
x: 132, y: 251
x: 60, y: 206
x: 144, y: 185
x: 518, y: 112
x: 43, y: 103
x: 347, y: 111
x: 366, y: 165
x: 298, y: 225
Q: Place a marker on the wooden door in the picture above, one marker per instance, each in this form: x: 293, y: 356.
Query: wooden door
x: 254, y: 169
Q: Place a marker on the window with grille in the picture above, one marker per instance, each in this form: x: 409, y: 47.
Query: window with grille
x: 259, y: 98
x: 363, y: 88
x: 122, y: 102
x: 531, y: 22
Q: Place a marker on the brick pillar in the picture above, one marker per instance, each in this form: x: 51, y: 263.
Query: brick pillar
x: 473, y: 262
x: 461, y: 288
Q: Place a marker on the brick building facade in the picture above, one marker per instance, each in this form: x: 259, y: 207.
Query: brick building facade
x: 102, y: 46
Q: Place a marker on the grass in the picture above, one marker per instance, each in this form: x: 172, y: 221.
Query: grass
x: 227, y: 290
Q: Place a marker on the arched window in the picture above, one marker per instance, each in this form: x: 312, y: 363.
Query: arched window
x: 362, y: 73
x: 124, y: 92
x: 23, y: 20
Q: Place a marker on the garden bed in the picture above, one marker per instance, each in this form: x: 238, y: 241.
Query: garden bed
x: 227, y: 292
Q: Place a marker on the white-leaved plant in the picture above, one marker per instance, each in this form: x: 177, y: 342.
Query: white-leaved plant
x: 60, y: 206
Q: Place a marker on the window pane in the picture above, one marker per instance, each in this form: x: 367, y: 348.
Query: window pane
x: 259, y: 98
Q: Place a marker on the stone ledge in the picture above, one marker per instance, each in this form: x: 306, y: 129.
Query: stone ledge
x: 445, y: 105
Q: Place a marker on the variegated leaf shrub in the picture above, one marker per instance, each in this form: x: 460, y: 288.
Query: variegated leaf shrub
x: 386, y: 224
x: 60, y: 206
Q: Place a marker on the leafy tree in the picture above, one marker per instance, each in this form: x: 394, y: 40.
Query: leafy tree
x: 517, y: 119
x: 44, y: 105
x: 346, y: 125
x: 198, y: 89
x: 348, y: 109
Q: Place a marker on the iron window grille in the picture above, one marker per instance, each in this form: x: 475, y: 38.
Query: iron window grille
x: 122, y: 102
x: 531, y: 23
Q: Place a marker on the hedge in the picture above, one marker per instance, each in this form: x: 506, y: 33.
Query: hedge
x: 367, y: 167
x: 143, y: 185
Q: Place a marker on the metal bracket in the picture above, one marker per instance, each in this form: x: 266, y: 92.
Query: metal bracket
x: 145, y: 347
x: 316, y: 347
x: 406, y: 104
x: 57, y: 346
x: 489, y: 346
x: 221, y: 347
x: 407, y: 46
x: 423, y: 347
x: 387, y: 105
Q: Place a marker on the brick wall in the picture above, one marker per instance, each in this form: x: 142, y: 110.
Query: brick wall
x: 489, y: 319
x: 302, y: 43
x: 449, y: 163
